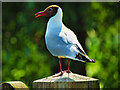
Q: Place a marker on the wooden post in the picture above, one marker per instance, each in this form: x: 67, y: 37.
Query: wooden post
x: 14, y: 85
x: 67, y: 80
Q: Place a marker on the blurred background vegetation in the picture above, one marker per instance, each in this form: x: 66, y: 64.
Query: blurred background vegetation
x: 24, y: 53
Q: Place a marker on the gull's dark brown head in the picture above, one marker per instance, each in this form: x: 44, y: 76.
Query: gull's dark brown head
x: 48, y: 12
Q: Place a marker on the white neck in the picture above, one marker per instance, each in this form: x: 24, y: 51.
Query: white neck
x: 55, y: 22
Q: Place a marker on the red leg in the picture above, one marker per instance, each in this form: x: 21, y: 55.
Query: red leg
x: 60, y: 66
x: 68, y: 71
x: 59, y: 74
x: 68, y: 64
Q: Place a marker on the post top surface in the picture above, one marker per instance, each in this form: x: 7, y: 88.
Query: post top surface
x: 66, y: 77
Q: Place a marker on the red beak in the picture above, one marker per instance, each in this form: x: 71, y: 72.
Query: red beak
x: 38, y: 14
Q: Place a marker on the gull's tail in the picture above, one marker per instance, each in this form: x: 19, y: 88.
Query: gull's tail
x: 84, y: 58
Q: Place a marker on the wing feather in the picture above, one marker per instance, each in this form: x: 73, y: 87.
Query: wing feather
x: 69, y: 37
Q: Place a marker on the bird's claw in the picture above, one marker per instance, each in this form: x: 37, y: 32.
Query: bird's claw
x: 68, y: 71
x: 61, y: 73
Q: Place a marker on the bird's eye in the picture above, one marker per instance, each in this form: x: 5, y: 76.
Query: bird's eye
x: 50, y: 9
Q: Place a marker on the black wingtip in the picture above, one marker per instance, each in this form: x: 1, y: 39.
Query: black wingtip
x: 84, y: 58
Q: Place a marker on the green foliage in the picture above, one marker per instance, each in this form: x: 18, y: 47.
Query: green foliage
x: 26, y: 58
x: 102, y: 44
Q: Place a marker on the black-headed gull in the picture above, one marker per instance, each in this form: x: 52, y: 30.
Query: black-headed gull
x: 60, y: 40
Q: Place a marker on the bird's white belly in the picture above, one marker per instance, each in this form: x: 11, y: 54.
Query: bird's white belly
x: 56, y: 46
